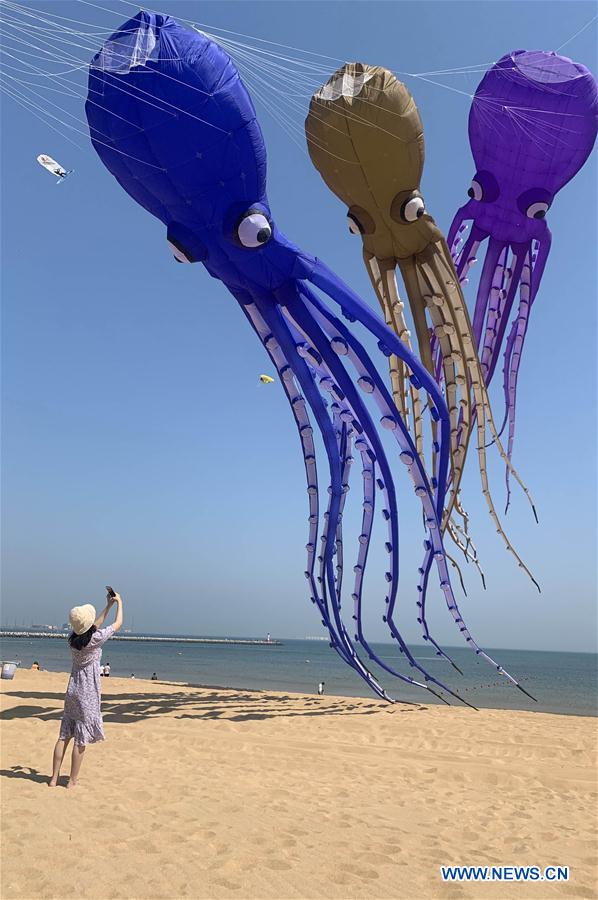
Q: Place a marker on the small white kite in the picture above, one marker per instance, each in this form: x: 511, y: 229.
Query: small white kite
x: 53, y: 167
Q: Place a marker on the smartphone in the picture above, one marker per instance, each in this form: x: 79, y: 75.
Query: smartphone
x: 111, y: 593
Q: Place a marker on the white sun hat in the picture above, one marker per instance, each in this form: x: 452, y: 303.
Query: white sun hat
x: 82, y: 618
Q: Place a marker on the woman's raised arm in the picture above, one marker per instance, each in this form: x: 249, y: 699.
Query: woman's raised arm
x: 119, y: 612
x: 102, y: 616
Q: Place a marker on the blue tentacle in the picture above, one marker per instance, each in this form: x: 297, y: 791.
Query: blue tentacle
x: 433, y: 517
x: 304, y: 429
x: 274, y: 319
x: 321, y: 342
x: 355, y: 309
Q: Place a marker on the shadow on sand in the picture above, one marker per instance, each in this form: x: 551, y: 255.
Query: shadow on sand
x: 209, y: 703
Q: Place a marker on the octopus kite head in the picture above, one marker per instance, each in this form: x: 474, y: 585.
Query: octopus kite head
x: 172, y: 121
x: 532, y: 126
x: 365, y: 138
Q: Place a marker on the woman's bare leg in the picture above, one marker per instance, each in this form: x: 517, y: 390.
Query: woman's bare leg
x: 76, y: 760
x: 59, y: 751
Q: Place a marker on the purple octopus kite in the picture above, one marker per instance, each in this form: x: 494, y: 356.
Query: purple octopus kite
x: 532, y: 125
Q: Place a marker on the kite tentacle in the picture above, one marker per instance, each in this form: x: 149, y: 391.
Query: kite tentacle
x: 433, y: 294
x: 274, y: 318
x: 513, y: 277
x: 433, y: 282
x: 360, y: 359
x: 495, y: 306
x: 344, y: 441
x: 305, y: 431
x: 383, y: 278
x: 465, y: 257
x: 394, y: 319
x: 483, y: 412
x: 310, y: 325
x: 369, y: 494
x: 492, y: 259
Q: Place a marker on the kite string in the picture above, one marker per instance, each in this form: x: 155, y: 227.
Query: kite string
x: 268, y: 64
x: 577, y: 33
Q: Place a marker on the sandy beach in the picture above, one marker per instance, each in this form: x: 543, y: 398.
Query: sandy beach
x: 211, y: 793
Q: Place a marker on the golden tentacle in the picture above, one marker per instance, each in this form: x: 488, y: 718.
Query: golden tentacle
x: 383, y: 277
x: 457, y: 397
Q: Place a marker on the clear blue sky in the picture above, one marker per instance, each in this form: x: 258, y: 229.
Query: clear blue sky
x: 139, y: 448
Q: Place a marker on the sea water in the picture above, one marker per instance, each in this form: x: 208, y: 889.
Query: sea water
x: 560, y: 682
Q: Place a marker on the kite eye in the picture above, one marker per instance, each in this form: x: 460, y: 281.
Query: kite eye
x: 185, y: 245
x: 537, y: 210
x: 476, y: 192
x: 180, y: 253
x: 413, y: 209
x: 354, y: 226
x: 254, y: 230
x: 534, y: 203
x: 360, y: 221
x: 407, y: 206
x: 483, y: 188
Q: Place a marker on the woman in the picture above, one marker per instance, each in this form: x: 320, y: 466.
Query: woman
x: 82, y: 719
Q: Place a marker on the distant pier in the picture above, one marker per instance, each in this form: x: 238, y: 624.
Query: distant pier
x: 149, y: 638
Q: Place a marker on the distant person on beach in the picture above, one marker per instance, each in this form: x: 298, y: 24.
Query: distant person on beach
x: 101, y: 671
x: 107, y: 670
x: 132, y: 674
x: 82, y: 718
x: 321, y: 687
x: 35, y: 666
x: 154, y: 677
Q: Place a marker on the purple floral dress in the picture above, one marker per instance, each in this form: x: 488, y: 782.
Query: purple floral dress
x: 82, y: 718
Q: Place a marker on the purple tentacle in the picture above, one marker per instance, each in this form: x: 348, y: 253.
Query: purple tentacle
x: 516, y: 269
x: 458, y: 225
x: 519, y: 331
x: 496, y: 304
x: 532, y: 272
x: 491, y: 260
x: 466, y: 255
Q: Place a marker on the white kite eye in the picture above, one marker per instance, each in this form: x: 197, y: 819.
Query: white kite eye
x: 413, y: 209
x: 537, y: 210
x: 476, y: 191
x: 178, y: 251
x: 353, y: 224
x: 254, y: 230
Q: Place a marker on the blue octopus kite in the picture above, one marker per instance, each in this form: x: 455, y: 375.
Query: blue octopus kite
x: 171, y: 119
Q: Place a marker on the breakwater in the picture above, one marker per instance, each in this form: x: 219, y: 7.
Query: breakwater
x: 155, y: 639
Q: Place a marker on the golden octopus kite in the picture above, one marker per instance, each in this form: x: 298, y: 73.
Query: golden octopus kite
x: 365, y: 138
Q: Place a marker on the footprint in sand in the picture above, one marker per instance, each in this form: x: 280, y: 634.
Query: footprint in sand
x: 277, y: 864
x: 362, y: 872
